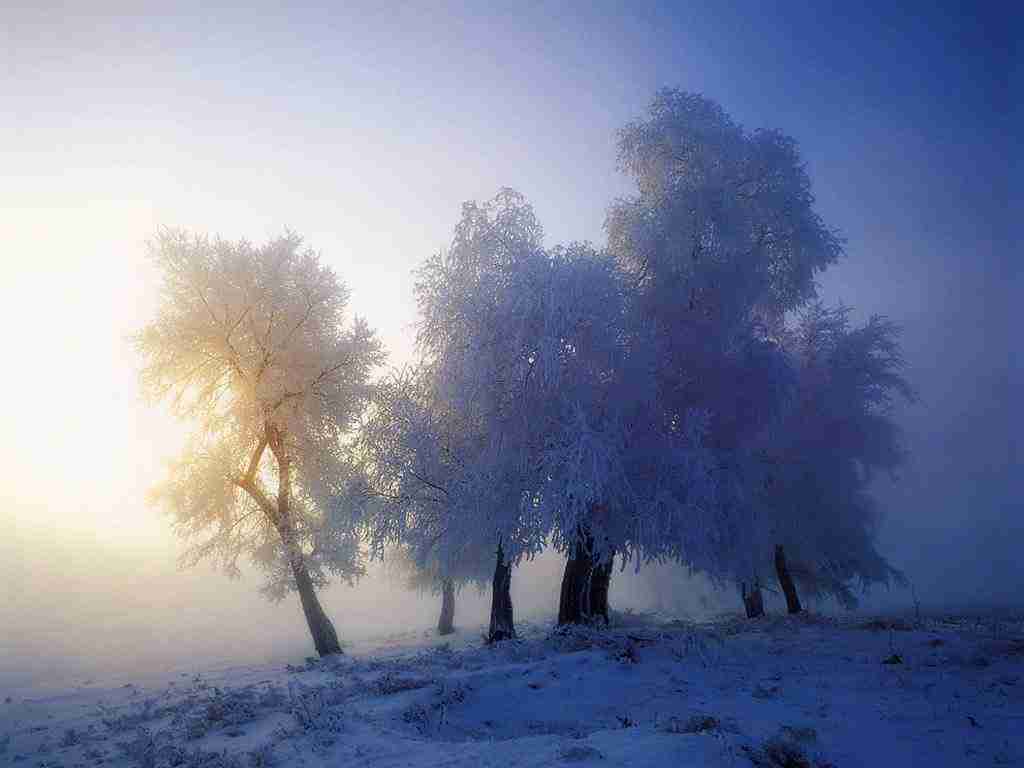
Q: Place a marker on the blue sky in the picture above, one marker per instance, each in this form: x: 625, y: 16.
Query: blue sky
x: 364, y: 127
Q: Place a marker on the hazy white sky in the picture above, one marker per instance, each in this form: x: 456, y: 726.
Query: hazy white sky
x: 364, y: 126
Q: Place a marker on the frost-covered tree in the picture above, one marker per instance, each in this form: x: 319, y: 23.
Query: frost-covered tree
x: 419, y: 497
x: 252, y: 347
x: 722, y: 229
x: 798, y: 501
x: 539, y: 427
x: 813, y: 476
x: 618, y: 476
x: 411, y: 447
x: 721, y: 241
x: 427, y: 578
x: 432, y: 576
x: 756, y: 386
x: 443, y: 452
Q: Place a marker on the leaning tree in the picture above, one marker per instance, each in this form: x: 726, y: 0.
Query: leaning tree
x: 252, y: 347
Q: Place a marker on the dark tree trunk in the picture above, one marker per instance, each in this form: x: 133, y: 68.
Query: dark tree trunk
x: 325, y: 639
x: 502, y: 623
x: 600, y: 582
x: 753, y: 601
x: 584, y: 593
x: 574, y: 600
x: 446, y: 624
x: 786, y: 580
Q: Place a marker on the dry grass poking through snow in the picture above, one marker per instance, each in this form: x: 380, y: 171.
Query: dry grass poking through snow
x: 783, y: 692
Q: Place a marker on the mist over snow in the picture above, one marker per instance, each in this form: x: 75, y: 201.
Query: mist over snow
x: 132, y: 615
x: 120, y: 614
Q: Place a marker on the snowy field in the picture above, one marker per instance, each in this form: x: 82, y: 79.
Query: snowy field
x: 804, y: 691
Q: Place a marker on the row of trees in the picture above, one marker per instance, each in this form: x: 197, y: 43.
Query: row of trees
x: 678, y: 395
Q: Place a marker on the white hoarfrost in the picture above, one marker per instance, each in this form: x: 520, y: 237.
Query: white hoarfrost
x: 252, y: 347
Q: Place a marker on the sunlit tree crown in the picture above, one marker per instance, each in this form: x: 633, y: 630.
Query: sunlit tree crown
x: 252, y: 344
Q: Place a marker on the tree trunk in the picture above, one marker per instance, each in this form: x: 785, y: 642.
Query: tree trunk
x: 753, y: 601
x: 502, y: 623
x: 584, y: 594
x: 574, y: 600
x: 446, y: 624
x: 600, y: 582
x: 786, y: 580
x: 325, y: 638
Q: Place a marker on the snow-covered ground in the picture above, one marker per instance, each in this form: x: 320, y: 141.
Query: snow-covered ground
x: 802, y: 691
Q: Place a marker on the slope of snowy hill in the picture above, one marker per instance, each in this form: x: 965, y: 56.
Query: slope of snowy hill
x: 785, y: 692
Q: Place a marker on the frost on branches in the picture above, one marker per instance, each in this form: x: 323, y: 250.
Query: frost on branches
x: 813, y: 478
x: 252, y: 347
x: 649, y: 402
x: 432, y: 576
x: 530, y: 419
x: 412, y: 449
x: 723, y: 243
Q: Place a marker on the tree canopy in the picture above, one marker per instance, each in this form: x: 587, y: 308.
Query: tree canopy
x: 677, y: 395
x: 252, y: 347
